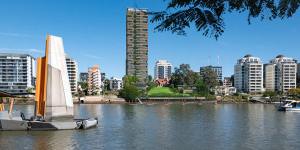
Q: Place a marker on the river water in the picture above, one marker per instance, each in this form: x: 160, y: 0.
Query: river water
x: 173, y: 126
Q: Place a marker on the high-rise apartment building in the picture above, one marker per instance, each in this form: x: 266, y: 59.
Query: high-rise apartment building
x: 17, y: 73
x: 137, y: 44
x: 83, y: 77
x: 216, y: 69
x: 162, y: 70
x: 248, y: 75
x: 269, y: 77
x: 72, y: 73
x: 285, y: 73
x: 94, y: 80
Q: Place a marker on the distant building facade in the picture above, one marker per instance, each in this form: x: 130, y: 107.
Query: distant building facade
x: 216, y: 69
x: 137, y: 44
x: 248, y: 75
x: 269, y: 77
x: 162, y: 70
x: 72, y: 73
x: 298, y: 75
x: 94, y: 80
x: 285, y: 73
x: 115, y: 84
x: 227, y: 82
x: 225, y: 90
x: 103, y: 76
x: 17, y: 73
x: 83, y: 77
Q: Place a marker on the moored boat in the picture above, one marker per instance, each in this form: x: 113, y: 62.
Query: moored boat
x: 289, y: 105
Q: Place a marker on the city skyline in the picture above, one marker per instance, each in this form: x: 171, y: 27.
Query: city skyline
x: 95, y: 38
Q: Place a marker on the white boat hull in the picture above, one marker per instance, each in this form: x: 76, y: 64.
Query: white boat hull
x: 23, y: 125
x: 291, y: 109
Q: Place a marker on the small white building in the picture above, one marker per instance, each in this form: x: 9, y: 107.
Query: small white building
x: 225, y: 90
x: 227, y: 82
x: 115, y: 84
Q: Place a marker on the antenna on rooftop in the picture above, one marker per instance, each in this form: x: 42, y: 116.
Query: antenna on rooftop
x: 218, y: 60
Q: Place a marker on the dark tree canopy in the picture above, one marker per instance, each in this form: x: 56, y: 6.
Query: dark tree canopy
x: 207, y: 15
x: 130, y: 91
x: 210, y: 78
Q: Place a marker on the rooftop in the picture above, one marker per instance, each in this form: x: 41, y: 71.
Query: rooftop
x: 137, y: 9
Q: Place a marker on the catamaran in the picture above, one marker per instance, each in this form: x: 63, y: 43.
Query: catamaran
x: 53, y: 103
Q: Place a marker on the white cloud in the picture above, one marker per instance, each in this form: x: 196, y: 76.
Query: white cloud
x: 34, y: 50
x: 13, y: 34
x: 10, y: 50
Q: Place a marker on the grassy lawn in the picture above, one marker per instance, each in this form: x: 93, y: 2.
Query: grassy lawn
x: 164, y: 92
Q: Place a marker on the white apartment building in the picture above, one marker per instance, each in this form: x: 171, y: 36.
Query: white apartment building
x: 115, y: 84
x: 94, y: 80
x: 162, y: 70
x: 17, y: 73
x: 248, y: 75
x: 298, y: 75
x: 72, y: 73
x: 269, y: 77
x: 285, y: 73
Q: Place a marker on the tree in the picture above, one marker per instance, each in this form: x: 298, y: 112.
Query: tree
x: 210, y: 78
x: 184, y: 76
x: 150, y: 79
x: 130, y: 93
x: 106, y: 86
x: 294, y: 92
x: 150, y: 83
x: 30, y: 90
x: 270, y: 94
x: 208, y: 15
x: 201, y: 88
x: 130, y: 90
x: 232, y: 80
x: 83, y: 88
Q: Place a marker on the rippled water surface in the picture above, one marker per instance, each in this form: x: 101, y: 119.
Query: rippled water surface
x: 174, y: 126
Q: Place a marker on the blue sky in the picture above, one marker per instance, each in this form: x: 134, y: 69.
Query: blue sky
x: 94, y: 33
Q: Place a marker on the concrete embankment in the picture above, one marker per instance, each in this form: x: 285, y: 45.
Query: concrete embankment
x: 110, y: 99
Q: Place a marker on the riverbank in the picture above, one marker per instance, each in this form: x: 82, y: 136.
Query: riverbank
x: 150, y: 100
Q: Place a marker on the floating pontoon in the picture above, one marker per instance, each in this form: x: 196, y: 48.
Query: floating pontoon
x: 54, y: 103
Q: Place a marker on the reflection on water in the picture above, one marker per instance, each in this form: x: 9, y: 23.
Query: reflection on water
x: 174, y: 126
